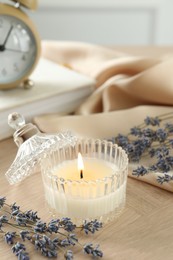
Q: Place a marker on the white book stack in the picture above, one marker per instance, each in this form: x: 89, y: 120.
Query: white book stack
x: 57, y: 89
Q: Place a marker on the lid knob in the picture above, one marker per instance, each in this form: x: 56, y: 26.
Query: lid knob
x: 16, y: 121
x: 23, y: 131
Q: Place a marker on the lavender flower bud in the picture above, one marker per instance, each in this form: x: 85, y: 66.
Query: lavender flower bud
x: 24, y: 234
x: 163, y: 166
x: 165, y: 178
x: 15, y: 212
x: 31, y: 215
x: 169, y: 160
x: 67, y: 224
x: 91, y: 226
x: 169, y: 127
x: 22, y: 255
x: 136, y: 131
x: 73, y: 237
x: 89, y: 249
x: 68, y: 255
x: 154, y: 121
x: 161, y: 135
x: 52, y: 226
x: 122, y: 140
x: 21, y: 219
x: 171, y: 142
x: 3, y: 219
x: 18, y: 247
x: 14, y: 207
x: 147, y: 132
x: 2, y: 201
x: 140, y: 171
x: 65, y: 242
x: 9, y: 237
x: 40, y: 227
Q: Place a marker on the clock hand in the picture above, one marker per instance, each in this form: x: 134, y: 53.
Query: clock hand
x: 16, y: 50
x: 2, y: 47
x: 11, y: 28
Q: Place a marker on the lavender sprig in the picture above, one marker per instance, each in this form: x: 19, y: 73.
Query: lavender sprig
x: 152, y: 138
x: 48, y: 239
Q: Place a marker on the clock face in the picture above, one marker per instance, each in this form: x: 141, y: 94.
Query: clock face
x: 18, y: 49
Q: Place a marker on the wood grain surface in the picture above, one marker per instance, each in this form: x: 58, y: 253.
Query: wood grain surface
x: 144, y: 231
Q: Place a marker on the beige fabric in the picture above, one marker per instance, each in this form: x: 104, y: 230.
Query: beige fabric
x: 128, y: 89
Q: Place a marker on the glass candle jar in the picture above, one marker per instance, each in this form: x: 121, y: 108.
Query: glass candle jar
x: 97, y: 190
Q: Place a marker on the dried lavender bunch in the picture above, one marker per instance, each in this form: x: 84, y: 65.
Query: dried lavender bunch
x: 49, y: 239
x: 153, y: 138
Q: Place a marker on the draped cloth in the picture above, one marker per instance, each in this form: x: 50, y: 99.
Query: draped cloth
x: 128, y: 88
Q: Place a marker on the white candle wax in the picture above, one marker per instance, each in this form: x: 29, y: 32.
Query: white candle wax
x: 96, y: 195
x: 94, y: 169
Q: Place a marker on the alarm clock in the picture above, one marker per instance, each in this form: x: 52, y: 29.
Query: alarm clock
x: 19, y: 45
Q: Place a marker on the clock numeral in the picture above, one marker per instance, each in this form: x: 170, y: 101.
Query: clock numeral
x: 4, y: 72
x: 15, y: 67
x: 23, y: 57
x: 1, y: 22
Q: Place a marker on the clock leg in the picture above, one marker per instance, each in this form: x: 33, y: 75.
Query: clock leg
x: 28, y: 84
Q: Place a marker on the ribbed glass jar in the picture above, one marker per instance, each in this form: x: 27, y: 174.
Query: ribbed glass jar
x: 100, y: 194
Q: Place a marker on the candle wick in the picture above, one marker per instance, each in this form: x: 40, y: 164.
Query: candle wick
x: 81, y: 174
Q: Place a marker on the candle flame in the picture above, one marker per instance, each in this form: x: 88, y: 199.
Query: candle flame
x: 80, y: 162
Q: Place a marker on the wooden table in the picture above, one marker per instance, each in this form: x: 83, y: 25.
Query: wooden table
x: 144, y: 230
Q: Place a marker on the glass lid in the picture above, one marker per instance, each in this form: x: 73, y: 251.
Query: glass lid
x: 33, y: 146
